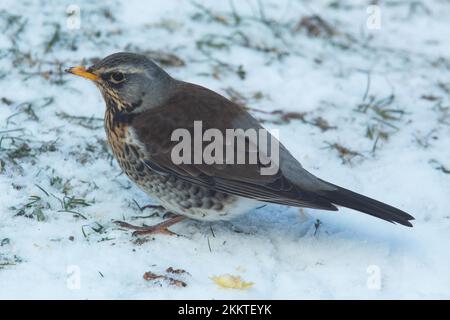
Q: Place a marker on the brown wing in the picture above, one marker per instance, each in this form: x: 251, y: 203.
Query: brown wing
x: 191, y: 103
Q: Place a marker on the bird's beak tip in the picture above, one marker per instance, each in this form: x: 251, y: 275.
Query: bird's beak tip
x: 82, y: 72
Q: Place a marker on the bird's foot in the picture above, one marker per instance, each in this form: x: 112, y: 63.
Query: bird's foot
x: 157, y: 228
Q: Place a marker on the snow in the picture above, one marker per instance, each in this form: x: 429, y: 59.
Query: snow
x: 279, y: 249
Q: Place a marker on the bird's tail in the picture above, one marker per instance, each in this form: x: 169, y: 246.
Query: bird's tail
x: 349, y: 199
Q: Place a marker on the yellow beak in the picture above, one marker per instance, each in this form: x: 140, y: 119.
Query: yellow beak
x: 81, y: 71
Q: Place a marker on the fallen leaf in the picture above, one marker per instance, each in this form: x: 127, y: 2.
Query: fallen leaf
x: 232, y: 282
x: 176, y: 271
x: 150, y: 276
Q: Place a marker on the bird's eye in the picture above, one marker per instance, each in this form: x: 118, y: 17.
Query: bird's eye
x: 117, y: 77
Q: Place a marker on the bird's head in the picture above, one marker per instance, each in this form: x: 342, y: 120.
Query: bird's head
x: 129, y: 82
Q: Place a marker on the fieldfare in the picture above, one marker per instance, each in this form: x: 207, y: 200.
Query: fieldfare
x: 145, y: 106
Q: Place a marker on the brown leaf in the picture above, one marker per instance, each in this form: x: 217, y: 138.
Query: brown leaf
x: 150, y: 276
x: 315, y: 26
x: 176, y: 271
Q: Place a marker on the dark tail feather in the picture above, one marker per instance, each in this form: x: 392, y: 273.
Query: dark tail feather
x: 353, y: 200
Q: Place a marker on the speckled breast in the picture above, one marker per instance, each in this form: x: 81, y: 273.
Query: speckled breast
x: 175, y: 195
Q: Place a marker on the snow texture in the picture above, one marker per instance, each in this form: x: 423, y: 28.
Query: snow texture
x: 366, y: 108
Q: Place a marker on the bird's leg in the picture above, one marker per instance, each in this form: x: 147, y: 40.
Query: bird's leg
x: 157, y: 228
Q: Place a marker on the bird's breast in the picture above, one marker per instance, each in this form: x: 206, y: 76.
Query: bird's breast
x: 116, y: 132
x: 178, y: 196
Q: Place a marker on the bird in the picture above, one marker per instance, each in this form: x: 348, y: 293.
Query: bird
x: 145, y: 105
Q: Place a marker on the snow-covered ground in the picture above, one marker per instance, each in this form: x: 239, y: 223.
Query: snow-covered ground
x: 368, y: 109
